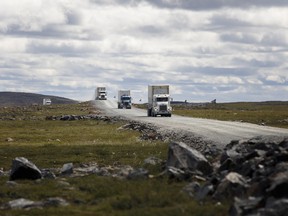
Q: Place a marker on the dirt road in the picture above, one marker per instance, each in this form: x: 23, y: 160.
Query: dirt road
x: 220, y: 132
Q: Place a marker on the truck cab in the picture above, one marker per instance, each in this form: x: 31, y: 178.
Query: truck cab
x: 159, y: 101
x: 101, y: 93
x: 125, y: 102
x: 124, y: 99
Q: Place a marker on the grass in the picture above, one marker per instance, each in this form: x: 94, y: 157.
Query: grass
x: 50, y: 144
x: 269, y: 113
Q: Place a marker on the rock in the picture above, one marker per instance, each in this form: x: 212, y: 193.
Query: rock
x: 186, y: 158
x: 29, y: 204
x: 232, y: 185
x: 275, y: 207
x: 123, y: 171
x: 179, y: 174
x: 11, y: 183
x: 67, y: 169
x: 48, y: 174
x: 192, y: 188
x: 152, y: 161
x: 55, y: 202
x: 279, y: 185
x: 9, y: 139
x: 21, y: 204
x: 138, y: 174
x: 204, y: 191
x: 24, y: 169
x: 245, y: 206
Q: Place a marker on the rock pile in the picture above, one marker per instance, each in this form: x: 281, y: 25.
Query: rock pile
x: 253, y: 172
x: 83, y: 117
x: 22, y: 203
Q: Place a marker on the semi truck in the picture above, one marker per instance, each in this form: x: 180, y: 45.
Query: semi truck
x: 124, y: 99
x: 101, y: 93
x: 159, y: 101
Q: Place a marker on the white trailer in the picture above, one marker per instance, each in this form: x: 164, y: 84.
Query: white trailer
x: 101, y: 93
x: 159, y: 101
x: 47, y: 101
x: 124, y: 99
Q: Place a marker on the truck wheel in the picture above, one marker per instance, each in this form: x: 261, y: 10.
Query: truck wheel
x: 148, y: 112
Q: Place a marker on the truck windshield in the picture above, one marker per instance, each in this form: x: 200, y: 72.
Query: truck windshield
x: 160, y: 99
x: 125, y: 98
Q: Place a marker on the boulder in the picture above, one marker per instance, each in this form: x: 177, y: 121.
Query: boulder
x: 24, y: 169
x: 183, y: 157
x: 232, y: 185
x: 67, y: 169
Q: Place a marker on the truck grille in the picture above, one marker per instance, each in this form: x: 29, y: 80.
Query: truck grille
x: 163, y: 107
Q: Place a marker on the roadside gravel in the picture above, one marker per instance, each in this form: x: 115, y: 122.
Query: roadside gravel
x: 196, y: 131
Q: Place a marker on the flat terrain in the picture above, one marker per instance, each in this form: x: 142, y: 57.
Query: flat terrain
x: 220, y: 132
x: 49, y: 144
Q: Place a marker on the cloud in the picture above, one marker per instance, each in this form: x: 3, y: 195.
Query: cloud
x: 203, y: 49
x: 216, y: 4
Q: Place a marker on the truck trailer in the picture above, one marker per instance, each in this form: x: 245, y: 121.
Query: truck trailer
x: 159, y: 101
x: 124, y: 99
x: 101, y: 93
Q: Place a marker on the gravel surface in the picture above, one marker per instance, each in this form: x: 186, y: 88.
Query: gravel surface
x: 199, y: 131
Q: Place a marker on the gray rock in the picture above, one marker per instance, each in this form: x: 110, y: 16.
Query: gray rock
x: 55, y: 202
x: 21, y: 204
x: 48, y: 174
x: 152, y: 161
x: 204, y: 191
x: 138, y: 174
x: 67, y: 169
x: 24, y: 169
x: 232, y: 185
x: 192, y: 188
x: 183, y: 157
x: 245, y: 206
x: 279, y: 186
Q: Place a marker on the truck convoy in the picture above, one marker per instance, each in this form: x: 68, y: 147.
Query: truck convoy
x: 101, y: 93
x: 124, y: 99
x: 159, y: 101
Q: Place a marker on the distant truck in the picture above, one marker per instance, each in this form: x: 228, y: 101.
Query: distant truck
x: 124, y: 99
x: 47, y: 101
x: 101, y: 93
x: 159, y: 101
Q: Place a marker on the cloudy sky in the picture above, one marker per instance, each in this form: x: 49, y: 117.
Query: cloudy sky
x: 230, y: 50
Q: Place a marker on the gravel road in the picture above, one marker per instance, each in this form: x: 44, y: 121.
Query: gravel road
x: 219, y: 132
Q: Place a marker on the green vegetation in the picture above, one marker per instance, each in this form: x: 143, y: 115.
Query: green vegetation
x: 269, y: 113
x: 50, y: 144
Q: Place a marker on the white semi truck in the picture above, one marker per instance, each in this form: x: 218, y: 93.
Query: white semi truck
x: 124, y: 99
x: 159, y: 101
x: 101, y: 93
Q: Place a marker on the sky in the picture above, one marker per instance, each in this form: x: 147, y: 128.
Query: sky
x: 228, y: 50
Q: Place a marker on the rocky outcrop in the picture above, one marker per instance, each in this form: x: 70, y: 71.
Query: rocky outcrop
x: 254, y: 173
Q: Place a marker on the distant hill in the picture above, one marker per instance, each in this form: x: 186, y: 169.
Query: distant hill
x: 25, y: 99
